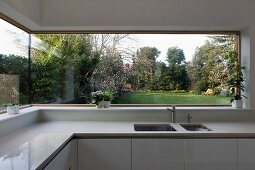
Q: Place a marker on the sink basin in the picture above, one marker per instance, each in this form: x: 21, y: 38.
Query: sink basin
x: 195, y: 127
x: 153, y: 127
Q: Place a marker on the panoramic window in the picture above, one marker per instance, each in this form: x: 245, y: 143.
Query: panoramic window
x: 14, y: 76
x: 136, y: 68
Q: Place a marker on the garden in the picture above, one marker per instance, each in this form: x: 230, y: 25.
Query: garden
x: 68, y: 68
x: 171, y: 98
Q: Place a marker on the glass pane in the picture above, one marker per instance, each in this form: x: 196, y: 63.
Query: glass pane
x: 13, y: 65
x: 136, y: 68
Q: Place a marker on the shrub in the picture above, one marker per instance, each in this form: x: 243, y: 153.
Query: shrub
x: 209, y: 92
x: 225, y: 93
x: 178, y: 91
x: 200, y: 87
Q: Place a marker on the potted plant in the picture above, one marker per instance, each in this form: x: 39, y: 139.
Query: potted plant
x: 107, y: 99
x: 97, y: 98
x: 12, y: 108
x: 237, y: 87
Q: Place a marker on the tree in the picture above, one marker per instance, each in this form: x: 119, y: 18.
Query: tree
x: 161, y: 79
x: 177, y: 73
x: 144, y: 66
x: 175, y: 56
x: 109, y: 74
x: 75, y: 54
x: 213, y: 63
x: 44, y: 76
x: 17, y: 65
x: 86, y: 60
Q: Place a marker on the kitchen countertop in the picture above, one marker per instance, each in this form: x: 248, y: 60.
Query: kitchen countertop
x: 34, y: 153
x: 33, y: 146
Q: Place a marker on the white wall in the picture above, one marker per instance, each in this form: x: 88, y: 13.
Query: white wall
x: 181, y: 14
x: 17, y: 16
x: 28, y: 8
x: 195, y: 13
x: 248, y: 61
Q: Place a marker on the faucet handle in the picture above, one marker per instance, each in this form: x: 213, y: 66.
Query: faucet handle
x: 189, y: 118
x: 168, y: 109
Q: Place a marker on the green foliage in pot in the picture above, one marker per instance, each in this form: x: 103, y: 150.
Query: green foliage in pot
x: 97, y: 97
x: 236, y: 83
x: 108, y: 96
x: 10, y: 104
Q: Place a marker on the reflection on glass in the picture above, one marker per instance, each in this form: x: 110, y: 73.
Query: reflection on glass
x: 32, y: 154
x: 13, y: 65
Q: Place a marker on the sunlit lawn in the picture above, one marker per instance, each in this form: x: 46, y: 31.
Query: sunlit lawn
x: 171, y: 98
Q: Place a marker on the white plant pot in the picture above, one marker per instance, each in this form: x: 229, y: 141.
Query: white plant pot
x: 107, y: 104
x: 12, y: 110
x: 17, y: 109
x: 237, y: 104
x: 100, y: 104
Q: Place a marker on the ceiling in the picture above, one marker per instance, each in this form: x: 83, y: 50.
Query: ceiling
x: 74, y: 15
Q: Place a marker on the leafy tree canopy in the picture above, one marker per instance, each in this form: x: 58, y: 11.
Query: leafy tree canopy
x: 175, y: 55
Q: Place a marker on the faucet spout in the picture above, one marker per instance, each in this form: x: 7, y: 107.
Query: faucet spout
x: 173, y: 114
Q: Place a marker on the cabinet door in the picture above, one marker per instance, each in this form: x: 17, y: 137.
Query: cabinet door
x: 157, y: 154
x: 246, y: 151
x: 104, y: 154
x: 66, y: 158
x: 211, y: 154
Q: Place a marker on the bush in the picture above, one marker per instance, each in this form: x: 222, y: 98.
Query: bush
x: 200, y: 87
x: 209, y: 92
x: 178, y: 91
x: 225, y: 93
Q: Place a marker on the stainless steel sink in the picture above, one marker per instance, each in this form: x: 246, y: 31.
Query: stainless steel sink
x: 195, y: 127
x: 153, y: 127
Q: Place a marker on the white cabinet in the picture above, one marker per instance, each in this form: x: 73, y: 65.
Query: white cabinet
x: 246, y: 154
x: 157, y: 154
x: 104, y: 154
x: 66, y: 159
x: 211, y: 154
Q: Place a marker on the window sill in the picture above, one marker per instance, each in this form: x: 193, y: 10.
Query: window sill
x: 31, y: 110
x: 93, y: 108
x: 22, y: 112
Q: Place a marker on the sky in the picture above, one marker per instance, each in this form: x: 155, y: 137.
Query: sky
x: 187, y: 42
x: 8, y: 42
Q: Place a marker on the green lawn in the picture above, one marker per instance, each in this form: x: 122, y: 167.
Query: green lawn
x: 170, y: 98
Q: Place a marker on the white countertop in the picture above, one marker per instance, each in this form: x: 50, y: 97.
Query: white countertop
x: 28, y: 110
x: 30, y: 147
x: 34, y: 153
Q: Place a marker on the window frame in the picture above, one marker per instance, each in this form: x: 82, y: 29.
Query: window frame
x: 212, y: 32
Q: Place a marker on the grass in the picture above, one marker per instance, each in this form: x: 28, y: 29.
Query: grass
x: 170, y: 98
